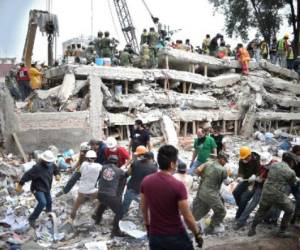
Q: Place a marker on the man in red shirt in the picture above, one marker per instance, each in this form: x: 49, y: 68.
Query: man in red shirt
x: 114, y: 149
x: 23, y: 81
x: 163, y: 200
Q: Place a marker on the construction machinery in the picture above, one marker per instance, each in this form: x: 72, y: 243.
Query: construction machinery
x: 47, y: 23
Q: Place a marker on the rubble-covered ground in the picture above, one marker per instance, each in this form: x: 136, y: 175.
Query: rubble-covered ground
x: 15, y: 209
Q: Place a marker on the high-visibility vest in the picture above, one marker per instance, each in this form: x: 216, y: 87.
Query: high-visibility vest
x: 281, y: 44
x: 290, y: 55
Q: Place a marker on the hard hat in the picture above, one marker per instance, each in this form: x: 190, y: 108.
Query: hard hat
x: 111, y: 142
x: 265, y: 158
x: 141, y: 150
x: 85, y: 146
x: 91, y: 154
x: 244, y: 152
x: 48, y: 156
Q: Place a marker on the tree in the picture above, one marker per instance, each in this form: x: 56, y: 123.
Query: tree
x: 295, y: 22
x: 240, y: 15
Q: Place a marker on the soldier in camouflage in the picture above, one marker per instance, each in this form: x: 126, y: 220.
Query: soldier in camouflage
x: 208, y: 196
x: 98, y: 44
x: 106, y: 45
x: 281, y: 178
x: 153, y: 39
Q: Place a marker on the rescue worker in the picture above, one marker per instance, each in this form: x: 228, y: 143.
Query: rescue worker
x: 112, y: 181
x: 90, y: 53
x: 125, y: 58
x: 281, y: 178
x: 266, y: 161
x: 41, y: 176
x: 114, y: 149
x: 247, y: 173
x: 273, y: 51
x: 144, y: 37
x: 145, y: 57
x: 139, y: 136
x: 206, y: 44
x: 282, y: 49
x: 87, y: 190
x: 256, y: 48
x: 35, y: 77
x: 138, y: 170
x: 23, y: 81
x: 68, y: 51
x: 84, y: 148
x: 214, y: 45
x: 153, y: 41
x: 106, y: 45
x: 222, y: 51
x: 244, y: 58
x: 290, y: 58
x: 208, y: 196
x: 264, y: 50
x: 98, y: 44
x: 188, y: 46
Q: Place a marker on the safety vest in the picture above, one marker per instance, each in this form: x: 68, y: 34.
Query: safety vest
x: 290, y: 55
x: 281, y: 45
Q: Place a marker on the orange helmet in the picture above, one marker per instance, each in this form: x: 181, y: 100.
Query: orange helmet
x: 141, y: 150
x: 245, y: 152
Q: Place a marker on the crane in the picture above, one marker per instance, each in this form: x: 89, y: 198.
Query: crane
x: 126, y: 23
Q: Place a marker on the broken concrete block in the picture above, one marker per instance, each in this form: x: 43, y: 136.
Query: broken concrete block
x: 278, y: 70
x: 280, y: 84
x: 169, y: 131
x: 225, y: 80
x: 67, y: 87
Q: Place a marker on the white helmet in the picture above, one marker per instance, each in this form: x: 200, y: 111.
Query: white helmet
x: 111, y: 142
x: 91, y: 154
x: 265, y: 158
x: 48, y: 156
x: 85, y: 146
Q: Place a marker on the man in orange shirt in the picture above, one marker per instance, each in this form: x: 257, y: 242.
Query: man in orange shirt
x: 244, y: 58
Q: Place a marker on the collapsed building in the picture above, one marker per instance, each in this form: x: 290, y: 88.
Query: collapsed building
x: 185, y: 91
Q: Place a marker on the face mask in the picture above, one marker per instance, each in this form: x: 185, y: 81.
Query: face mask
x: 245, y: 161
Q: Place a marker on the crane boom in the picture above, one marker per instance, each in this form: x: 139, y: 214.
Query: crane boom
x: 126, y: 24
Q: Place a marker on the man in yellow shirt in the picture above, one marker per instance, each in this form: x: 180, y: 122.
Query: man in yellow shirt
x: 35, y: 77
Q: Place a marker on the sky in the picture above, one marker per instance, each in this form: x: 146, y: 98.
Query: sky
x: 196, y: 18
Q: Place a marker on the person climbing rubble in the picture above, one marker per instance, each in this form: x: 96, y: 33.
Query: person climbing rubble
x: 120, y: 152
x: 163, y: 201
x: 247, y: 174
x: 23, y: 81
x: 219, y: 139
x: 282, y: 49
x: 41, y: 176
x: 153, y: 41
x: 111, y: 185
x: 281, y: 178
x: 244, y: 58
x: 144, y: 37
x: 125, y: 58
x: 90, y: 171
x: 139, y: 137
x: 204, y: 146
x: 141, y: 167
x: 35, y: 77
x: 206, y: 44
x: 266, y: 161
x: 106, y: 44
x: 84, y: 148
x: 214, y: 45
x: 213, y: 174
x: 264, y: 49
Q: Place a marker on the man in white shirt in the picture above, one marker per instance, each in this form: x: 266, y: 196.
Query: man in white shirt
x: 182, y: 176
x: 88, y: 181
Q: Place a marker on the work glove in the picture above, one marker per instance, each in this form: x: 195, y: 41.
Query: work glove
x: 239, y: 179
x: 252, y: 178
x: 19, y: 188
x: 57, y: 178
x: 199, y: 239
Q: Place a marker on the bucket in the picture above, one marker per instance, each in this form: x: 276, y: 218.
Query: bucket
x: 99, y: 61
x: 106, y: 61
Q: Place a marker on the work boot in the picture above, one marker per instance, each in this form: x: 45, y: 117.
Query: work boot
x: 252, y: 231
x: 238, y: 226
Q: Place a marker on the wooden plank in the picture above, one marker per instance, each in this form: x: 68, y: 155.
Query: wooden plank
x: 224, y: 126
x: 126, y: 87
x: 167, y: 61
x: 236, y: 127
x: 205, y: 70
x: 185, y: 125
x: 128, y: 132
x: 184, y: 88
x: 20, y: 148
x: 190, y: 88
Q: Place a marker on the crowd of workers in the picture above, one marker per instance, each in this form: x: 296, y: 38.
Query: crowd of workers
x: 162, y: 185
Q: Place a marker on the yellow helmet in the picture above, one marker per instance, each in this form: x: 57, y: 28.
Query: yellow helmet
x: 245, y: 152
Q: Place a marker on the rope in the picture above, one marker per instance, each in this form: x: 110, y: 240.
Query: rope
x: 113, y: 20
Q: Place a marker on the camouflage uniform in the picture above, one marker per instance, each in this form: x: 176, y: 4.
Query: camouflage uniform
x: 208, y: 195
x: 98, y: 46
x: 125, y: 59
x: 144, y: 38
x: 275, y: 194
x: 153, y: 40
x: 145, y: 57
x: 106, y: 49
x: 89, y: 54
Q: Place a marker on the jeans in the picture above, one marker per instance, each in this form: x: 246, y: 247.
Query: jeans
x: 44, y: 200
x: 24, y: 88
x: 242, y: 195
x: 290, y: 64
x: 273, y: 58
x: 172, y: 242
x: 251, y: 206
x: 129, y: 196
x: 195, y: 164
x: 71, y: 182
